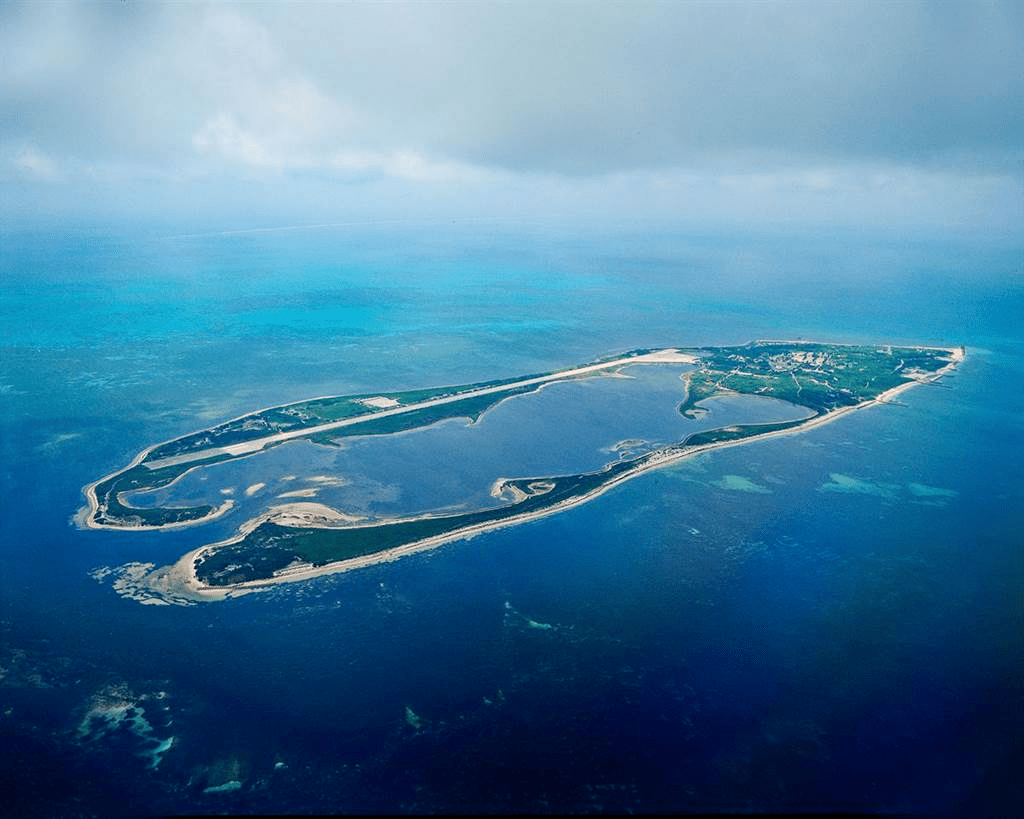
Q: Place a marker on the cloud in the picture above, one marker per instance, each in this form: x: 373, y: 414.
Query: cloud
x: 744, y: 103
x: 585, y: 89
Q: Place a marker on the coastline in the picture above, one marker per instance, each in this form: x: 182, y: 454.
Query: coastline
x: 179, y: 581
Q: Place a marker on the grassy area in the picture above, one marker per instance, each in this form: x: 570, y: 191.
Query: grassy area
x: 821, y: 377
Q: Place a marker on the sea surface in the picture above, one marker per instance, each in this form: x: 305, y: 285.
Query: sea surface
x: 832, y: 621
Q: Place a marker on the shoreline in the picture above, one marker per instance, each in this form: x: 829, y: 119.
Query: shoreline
x: 179, y: 581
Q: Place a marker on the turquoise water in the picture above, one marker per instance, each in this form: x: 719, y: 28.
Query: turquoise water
x: 845, y: 637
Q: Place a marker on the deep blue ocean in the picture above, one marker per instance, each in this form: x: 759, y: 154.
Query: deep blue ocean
x: 832, y: 621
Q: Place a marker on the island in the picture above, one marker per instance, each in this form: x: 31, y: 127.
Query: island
x: 297, y: 541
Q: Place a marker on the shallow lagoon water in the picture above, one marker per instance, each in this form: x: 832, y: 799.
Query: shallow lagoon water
x: 565, y: 428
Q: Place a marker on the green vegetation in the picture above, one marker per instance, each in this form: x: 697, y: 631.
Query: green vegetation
x: 821, y: 377
x: 722, y: 434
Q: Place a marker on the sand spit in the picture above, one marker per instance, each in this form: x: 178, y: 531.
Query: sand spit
x: 179, y: 583
x: 328, y: 480
x: 310, y: 492
x: 502, y: 489
x: 308, y: 514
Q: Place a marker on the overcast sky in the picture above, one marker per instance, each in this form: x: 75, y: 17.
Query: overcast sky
x: 688, y: 113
